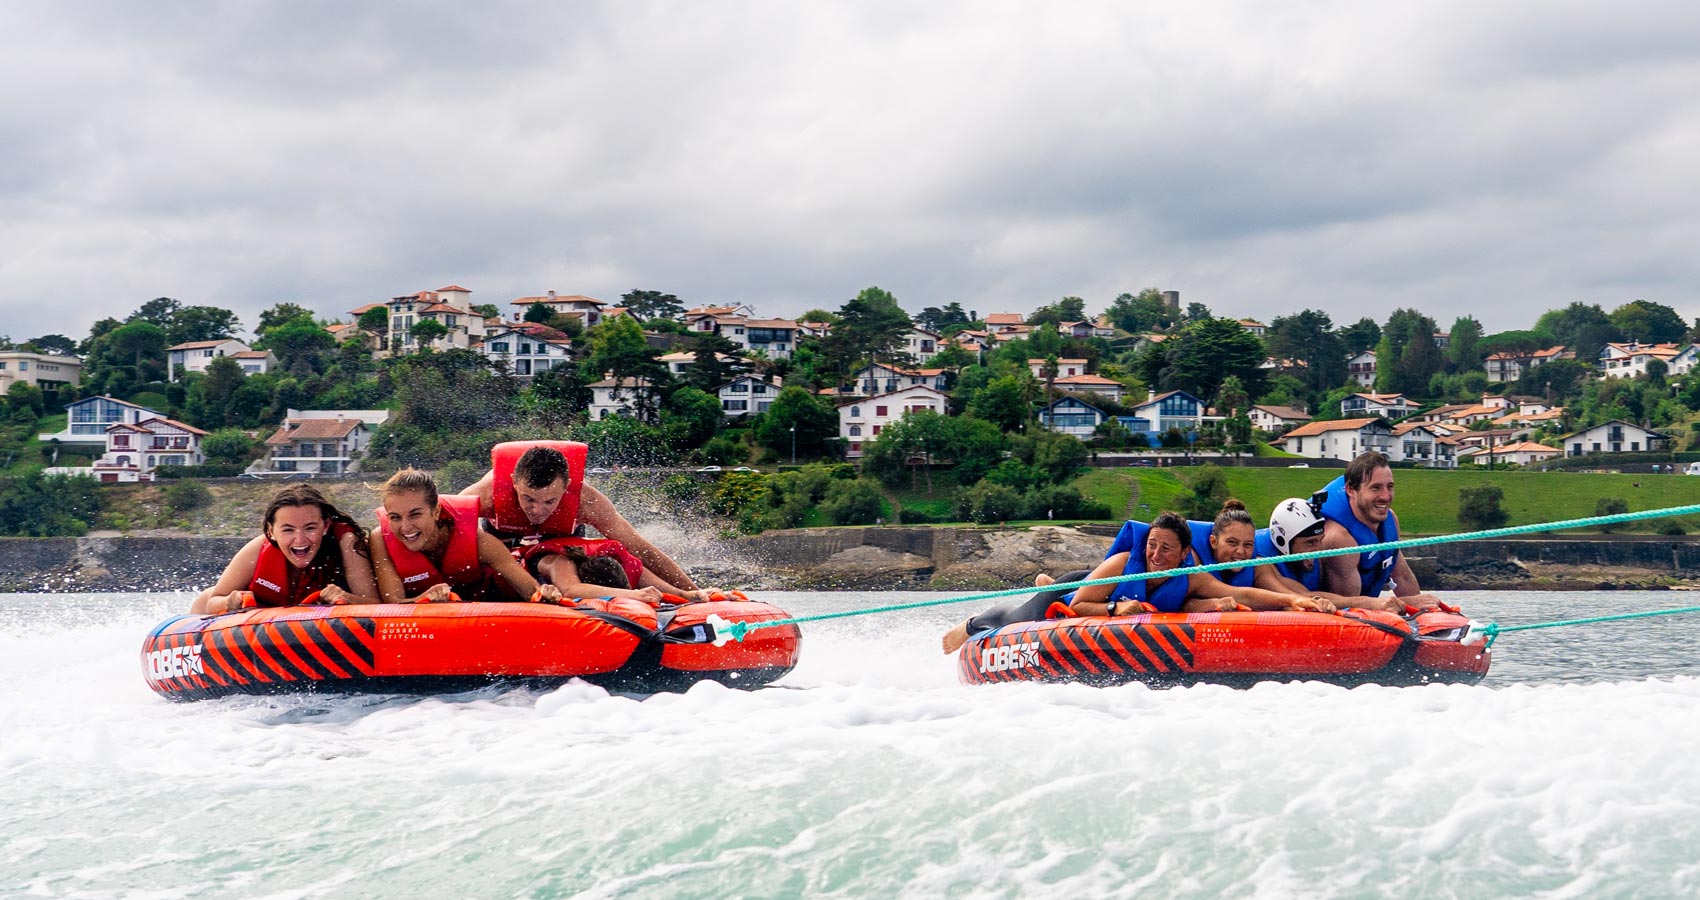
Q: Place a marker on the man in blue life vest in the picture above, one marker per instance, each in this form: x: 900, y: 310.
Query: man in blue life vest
x: 1359, y: 510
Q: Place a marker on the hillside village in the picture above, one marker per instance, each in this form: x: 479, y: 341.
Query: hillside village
x: 1009, y: 403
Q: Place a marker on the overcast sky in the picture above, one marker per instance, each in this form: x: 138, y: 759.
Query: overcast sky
x: 1494, y: 159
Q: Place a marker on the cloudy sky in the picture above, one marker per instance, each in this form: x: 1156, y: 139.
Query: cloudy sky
x: 1492, y: 159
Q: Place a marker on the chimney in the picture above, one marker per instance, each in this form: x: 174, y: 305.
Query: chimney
x: 551, y: 295
x: 1150, y: 395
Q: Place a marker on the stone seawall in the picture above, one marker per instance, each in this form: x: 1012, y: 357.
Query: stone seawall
x: 897, y: 558
x: 108, y: 564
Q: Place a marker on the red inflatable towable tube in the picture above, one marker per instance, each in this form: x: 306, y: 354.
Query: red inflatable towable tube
x: 438, y: 647
x: 1235, y: 648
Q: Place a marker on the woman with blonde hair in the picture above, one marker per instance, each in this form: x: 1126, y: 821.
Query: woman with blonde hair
x: 429, y: 549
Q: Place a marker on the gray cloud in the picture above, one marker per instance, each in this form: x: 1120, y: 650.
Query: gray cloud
x: 1495, y: 161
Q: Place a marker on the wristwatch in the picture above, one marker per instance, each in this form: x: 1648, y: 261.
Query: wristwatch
x: 1111, y: 605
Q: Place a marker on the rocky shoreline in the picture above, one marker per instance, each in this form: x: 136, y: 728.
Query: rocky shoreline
x: 892, y: 558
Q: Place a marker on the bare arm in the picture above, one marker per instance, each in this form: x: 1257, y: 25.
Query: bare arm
x: 1270, y: 578
x: 485, y: 490
x: 493, y: 553
x: 1093, y: 600
x: 563, y: 574
x: 357, y: 570
x: 597, y: 511
x: 390, y: 589
x: 1340, y: 573
x: 1206, y: 593
x: 236, y: 577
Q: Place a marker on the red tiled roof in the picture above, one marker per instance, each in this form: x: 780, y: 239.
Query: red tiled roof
x: 313, y: 430
x: 453, y: 287
x: 1311, y: 428
x: 196, y: 345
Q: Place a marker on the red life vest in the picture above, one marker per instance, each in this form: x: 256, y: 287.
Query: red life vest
x: 277, y: 583
x: 459, y: 565
x: 506, y: 514
x: 530, y: 553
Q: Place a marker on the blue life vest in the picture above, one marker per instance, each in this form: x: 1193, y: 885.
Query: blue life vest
x: 1168, y: 597
x: 1201, y: 532
x: 1375, y: 570
x: 1311, y: 579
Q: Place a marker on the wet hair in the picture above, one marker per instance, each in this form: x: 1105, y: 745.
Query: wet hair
x: 409, y: 480
x: 328, y: 560
x: 1233, y: 512
x: 539, y: 467
x: 602, y: 571
x: 1174, y: 523
x: 1363, y: 465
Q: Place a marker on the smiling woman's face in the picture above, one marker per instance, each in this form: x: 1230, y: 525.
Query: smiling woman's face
x: 412, y: 520
x: 298, y: 531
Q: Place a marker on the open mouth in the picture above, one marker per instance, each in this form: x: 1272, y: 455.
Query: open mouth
x: 302, y: 554
x: 411, y: 537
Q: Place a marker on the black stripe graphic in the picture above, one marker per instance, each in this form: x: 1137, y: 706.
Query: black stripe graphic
x: 1119, y: 637
x: 1152, y: 637
x: 315, y: 670
x: 352, y: 637
x: 260, y: 641
x: 1183, y: 647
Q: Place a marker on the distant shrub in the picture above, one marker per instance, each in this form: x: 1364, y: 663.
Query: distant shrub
x: 182, y: 496
x: 1669, y: 526
x: 457, y: 474
x: 987, y: 502
x: 1479, y: 507
x: 1611, y: 506
x: 35, y: 505
x: 856, y: 502
x: 210, y: 470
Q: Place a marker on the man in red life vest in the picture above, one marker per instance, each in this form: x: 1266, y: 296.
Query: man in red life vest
x: 535, y: 491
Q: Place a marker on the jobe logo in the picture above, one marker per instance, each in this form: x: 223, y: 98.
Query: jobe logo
x: 1010, y: 656
x: 177, y: 662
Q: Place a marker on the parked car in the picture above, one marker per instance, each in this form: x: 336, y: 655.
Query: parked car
x: 743, y: 469
x: 1299, y: 466
x: 598, y: 470
x: 709, y: 469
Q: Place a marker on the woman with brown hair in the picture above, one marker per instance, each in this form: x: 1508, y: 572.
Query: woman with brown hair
x: 429, y: 549
x: 306, y: 546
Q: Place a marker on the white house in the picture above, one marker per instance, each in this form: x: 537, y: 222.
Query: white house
x: 1071, y: 415
x: 1252, y: 326
x: 632, y: 397
x: 134, y: 450
x: 1339, y: 439
x: 1388, y: 406
x: 195, y: 356
x: 1066, y: 368
x: 1361, y: 369
x: 881, y: 378
x: 860, y: 421
x: 776, y: 338
x: 921, y: 344
x: 1275, y: 419
x: 449, y: 306
x: 1519, y: 454
x: 1424, y: 444
x: 1509, y: 365
x: 319, y: 445
x: 527, y: 348
x: 748, y: 394
x: 1616, y: 436
x: 1630, y: 360
x: 44, y: 370
x: 89, y: 418
x: 1173, y: 409
x: 1092, y: 384
x: 587, y: 309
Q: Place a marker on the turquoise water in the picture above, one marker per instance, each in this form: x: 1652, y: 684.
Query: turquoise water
x: 1570, y: 772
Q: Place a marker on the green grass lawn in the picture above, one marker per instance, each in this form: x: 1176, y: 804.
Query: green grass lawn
x: 1426, y: 500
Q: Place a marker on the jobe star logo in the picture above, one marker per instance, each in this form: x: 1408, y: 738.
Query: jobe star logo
x: 177, y: 662
x: 1010, y: 656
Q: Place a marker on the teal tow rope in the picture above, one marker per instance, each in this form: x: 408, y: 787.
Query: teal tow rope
x: 1492, y: 630
x: 738, y: 630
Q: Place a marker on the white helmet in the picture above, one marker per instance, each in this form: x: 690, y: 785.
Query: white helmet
x: 1292, y: 519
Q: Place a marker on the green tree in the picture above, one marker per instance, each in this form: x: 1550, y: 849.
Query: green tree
x: 25, y: 402
x: 1204, y: 353
x: 301, y: 346
x: 716, y: 362
x: 691, y: 418
x: 427, y: 331
x: 871, y: 327
x: 56, y: 344
x: 158, y: 311
x: 857, y: 502
x: 1207, y: 490
x: 1309, y: 336
x: 652, y: 305
x: 1479, y: 507
x: 800, y: 415
x: 1611, y: 506
x: 376, y: 322
x: 1463, y: 351
x: 201, y: 323
x: 617, y: 347
x: 1057, y: 456
x: 1068, y: 309
x: 228, y: 445
x: 34, y: 505
x: 487, y: 310
x: 1006, y: 402
x: 1584, y: 328
x: 937, y: 319
x: 1141, y: 313
x: 210, y: 393
x: 988, y: 502
x: 1407, y: 356
x: 283, y: 314
x: 1648, y: 322
x: 539, y: 313
x: 1364, y: 334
